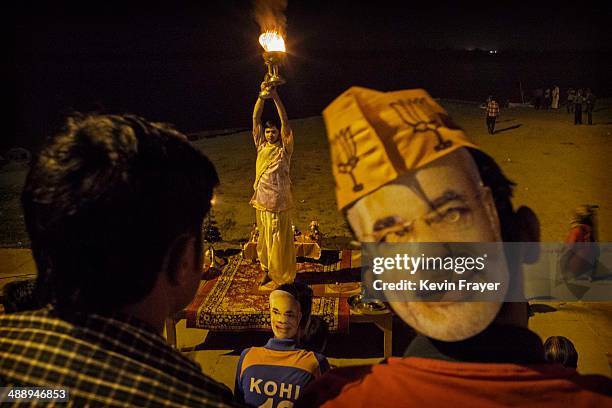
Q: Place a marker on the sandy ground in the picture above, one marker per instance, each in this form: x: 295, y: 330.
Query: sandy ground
x: 555, y: 164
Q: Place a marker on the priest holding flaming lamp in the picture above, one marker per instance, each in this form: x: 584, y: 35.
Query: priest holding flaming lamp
x: 272, y: 197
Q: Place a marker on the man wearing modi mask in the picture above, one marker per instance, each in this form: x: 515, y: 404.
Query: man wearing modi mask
x: 276, y: 374
x: 272, y: 197
x: 405, y: 173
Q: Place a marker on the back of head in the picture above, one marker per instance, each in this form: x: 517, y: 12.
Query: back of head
x: 303, y: 294
x: 559, y: 349
x: 314, y: 337
x: 104, y: 202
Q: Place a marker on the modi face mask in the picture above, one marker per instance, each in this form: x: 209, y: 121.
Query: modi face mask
x: 375, y: 137
x: 403, y: 174
x: 285, y: 315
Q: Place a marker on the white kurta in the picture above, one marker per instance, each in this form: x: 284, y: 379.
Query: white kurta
x: 555, y: 98
x: 272, y: 201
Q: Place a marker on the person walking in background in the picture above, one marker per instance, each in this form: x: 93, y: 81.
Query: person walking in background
x: 578, y: 100
x: 492, y: 114
x: 589, y: 100
x: 555, y: 97
x: 571, y: 95
x: 547, y: 98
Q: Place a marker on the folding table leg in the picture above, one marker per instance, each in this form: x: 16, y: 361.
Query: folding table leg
x: 386, y: 325
x: 171, y: 332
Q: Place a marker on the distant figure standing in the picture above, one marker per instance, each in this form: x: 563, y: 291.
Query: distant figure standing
x: 571, y: 96
x: 539, y: 94
x: 578, y: 100
x: 547, y: 98
x: 492, y: 114
x: 589, y: 99
x: 555, y: 97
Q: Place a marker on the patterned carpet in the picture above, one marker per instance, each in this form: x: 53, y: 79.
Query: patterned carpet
x: 232, y: 301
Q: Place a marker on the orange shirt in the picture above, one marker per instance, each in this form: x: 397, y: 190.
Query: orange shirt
x: 425, y: 382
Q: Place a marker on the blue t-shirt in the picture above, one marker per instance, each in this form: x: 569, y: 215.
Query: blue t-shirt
x: 274, y: 375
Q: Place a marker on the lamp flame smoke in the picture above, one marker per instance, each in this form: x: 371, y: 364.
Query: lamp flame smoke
x: 270, y: 15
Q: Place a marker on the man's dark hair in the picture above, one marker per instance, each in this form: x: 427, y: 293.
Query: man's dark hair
x: 103, y: 204
x: 501, y: 188
x: 303, y: 294
x: 559, y: 349
x: 315, y: 334
x: 271, y: 123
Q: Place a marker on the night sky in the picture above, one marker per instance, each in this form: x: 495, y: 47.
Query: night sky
x: 199, y: 65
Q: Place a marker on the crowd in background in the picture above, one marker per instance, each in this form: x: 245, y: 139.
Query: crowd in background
x: 577, y: 101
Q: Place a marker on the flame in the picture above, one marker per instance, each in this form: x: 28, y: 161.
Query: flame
x: 272, y: 41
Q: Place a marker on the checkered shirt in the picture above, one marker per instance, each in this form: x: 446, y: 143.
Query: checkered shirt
x: 492, y: 108
x: 102, y: 361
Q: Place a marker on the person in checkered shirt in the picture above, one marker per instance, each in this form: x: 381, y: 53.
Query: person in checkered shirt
x: 114, y: 207
x: 492, y: 114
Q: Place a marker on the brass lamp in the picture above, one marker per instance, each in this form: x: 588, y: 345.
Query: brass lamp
x: 274, y: 56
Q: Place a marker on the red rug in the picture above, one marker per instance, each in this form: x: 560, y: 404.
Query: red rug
x: 335, y: 274
x: 232, y: 301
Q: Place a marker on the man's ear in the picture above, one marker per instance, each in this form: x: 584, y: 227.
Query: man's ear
x: 180, y: 258
x: 491, y: 210
x: 528, y: 230
x: 529, y: 225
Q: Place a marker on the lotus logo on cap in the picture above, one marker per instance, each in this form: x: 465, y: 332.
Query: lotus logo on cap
x: 375, y: 137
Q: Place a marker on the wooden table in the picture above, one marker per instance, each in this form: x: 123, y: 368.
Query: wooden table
x: 303, y: 248
x: 384, y: 321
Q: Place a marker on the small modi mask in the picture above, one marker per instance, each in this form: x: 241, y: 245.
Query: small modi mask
x: 285, y: 315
